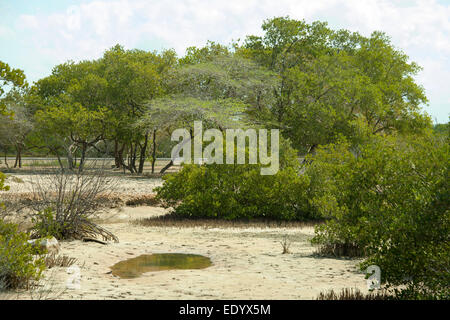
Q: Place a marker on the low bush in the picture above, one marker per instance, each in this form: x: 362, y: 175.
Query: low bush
x: 389, y: 200
x: 20, y: 262
x: 45, y: 225
x: 2, y: 187
x: 238, y: 191
x: 66, y: 202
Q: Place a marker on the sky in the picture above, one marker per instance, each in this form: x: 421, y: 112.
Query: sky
x: 36, y: 35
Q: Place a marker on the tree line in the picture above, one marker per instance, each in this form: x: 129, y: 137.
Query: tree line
x: 313, y: 83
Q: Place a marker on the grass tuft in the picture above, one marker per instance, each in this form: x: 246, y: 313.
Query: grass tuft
x: 354, y: 294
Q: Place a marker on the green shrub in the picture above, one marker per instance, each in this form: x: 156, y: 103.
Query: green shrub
x: 233, y: 191
x: 2, y: 186
x: 18, y: 264
x: 45, y: 225
x: 391, y: 200
x: 2, y: 182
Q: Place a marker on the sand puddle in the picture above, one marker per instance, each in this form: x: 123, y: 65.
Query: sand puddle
x: 134, y: 267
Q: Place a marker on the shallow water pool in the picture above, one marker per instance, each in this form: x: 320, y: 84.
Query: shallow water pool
x: 134, y: 267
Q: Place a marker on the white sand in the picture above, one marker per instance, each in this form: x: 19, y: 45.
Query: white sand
x: 247, y: 264
x: 22, y: 182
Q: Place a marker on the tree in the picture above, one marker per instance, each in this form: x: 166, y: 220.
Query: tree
x: 209, y: 52
x: 69, y: 106
x: 134, y: 77
x: 213, y: 86
x: 166, y: 114
x: 227, y: 77
x: 10, y: 77
x: 330, y: 79
x: 115, y: 86
x: 82, y: 127
x: 15, y: 130
x: 16, y: 78
x: 442, y: 129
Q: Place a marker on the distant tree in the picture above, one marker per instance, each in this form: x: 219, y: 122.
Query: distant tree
x: 67, y: 106
x: 211, y: 51
x: 8, y: 77
x: 214, y: 87
x: 15, y: 130
x: 115, y: 86
x: 82, y: 127
x: 134, y: 77
x: 14, y: 78
x: 442, y: 129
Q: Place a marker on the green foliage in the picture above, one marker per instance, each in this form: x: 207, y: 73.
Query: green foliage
x: 14, y: 130
x: 181, y: 112
x: 18, y: 264
x: 390, y: 198
x: 12, y: 77
x: 211, y: 51
x: 328, y: 79
x: 2, y: 182
x: 3, y: 187
x: 442, y: 129
x: 233, y: 191
x: 82, y: 104
x: 74, y: 120
x: 310, y: 81
x: 45, y: 225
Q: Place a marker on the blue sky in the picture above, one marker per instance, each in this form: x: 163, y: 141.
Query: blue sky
x: 36, y: 35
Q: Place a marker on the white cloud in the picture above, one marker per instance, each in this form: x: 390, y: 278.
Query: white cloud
x: 27, y: 21
x: 5, y: 32
x: 425, y: 22
x: 421, y: 28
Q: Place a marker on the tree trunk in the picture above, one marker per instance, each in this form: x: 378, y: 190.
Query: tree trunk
x: 167, y: 166
x: 120, y: 156
x: 132, y: 158
x: 83, y: 157
x: 117, y: 155
x: 60, y: 162
x: 70, y: 157
x: 6, y: 161
x: 154, y: 151
x: 143, y: 154
x: 179, y: 148
x: 18, y: 156
x: 311, y: 150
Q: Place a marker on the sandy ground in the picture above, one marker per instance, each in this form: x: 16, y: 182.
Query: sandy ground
x: 247, y: 262
x: 22, y: 183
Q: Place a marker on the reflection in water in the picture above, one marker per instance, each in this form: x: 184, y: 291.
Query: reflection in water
x: 134, y: 267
